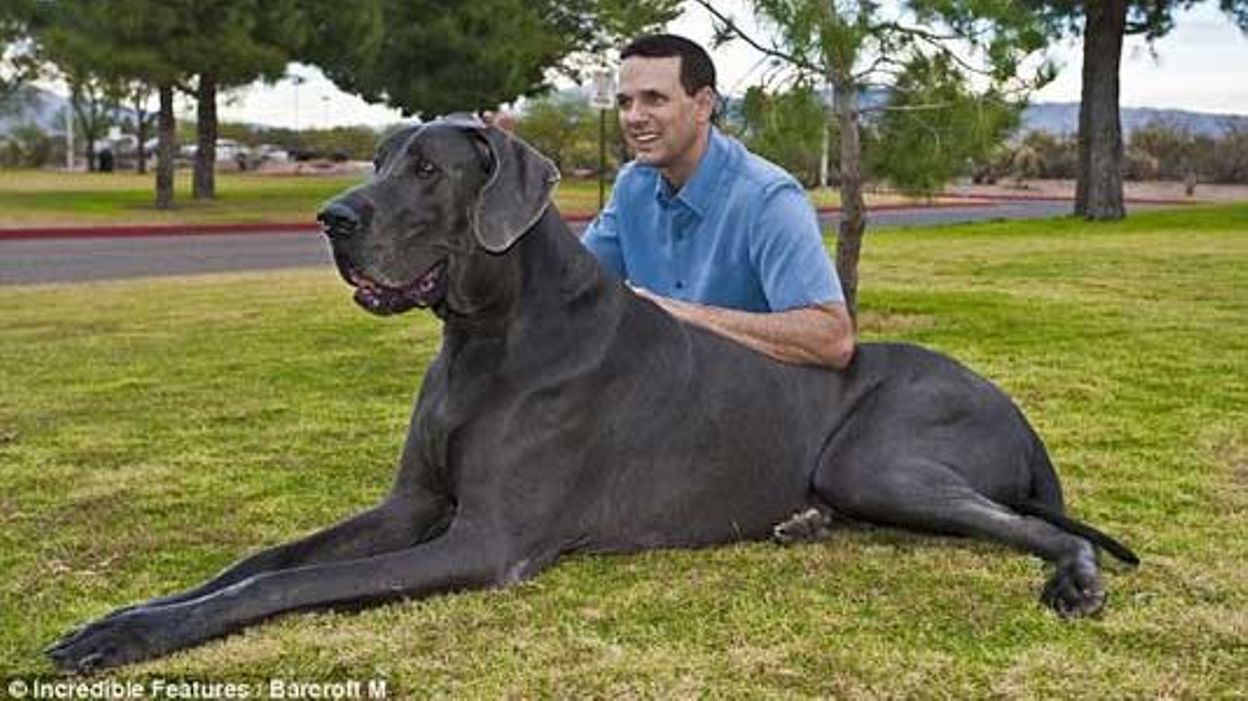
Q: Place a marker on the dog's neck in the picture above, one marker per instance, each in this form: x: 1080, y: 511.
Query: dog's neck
x: 546, y: 276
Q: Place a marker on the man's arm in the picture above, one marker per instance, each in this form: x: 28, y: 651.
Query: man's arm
x: 821, y: 334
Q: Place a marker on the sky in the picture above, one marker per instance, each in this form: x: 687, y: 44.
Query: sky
x: 1201, y: 66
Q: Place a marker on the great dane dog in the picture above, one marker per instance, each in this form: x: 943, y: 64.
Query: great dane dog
x: 564, y: 414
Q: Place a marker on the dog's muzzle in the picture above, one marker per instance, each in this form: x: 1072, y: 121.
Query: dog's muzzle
x: 425, y: 291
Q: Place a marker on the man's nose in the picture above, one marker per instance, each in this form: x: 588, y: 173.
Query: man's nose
x: 633, y: 114
x: 338, y: 220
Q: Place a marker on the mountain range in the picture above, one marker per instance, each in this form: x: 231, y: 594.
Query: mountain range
x: 1057, y: 118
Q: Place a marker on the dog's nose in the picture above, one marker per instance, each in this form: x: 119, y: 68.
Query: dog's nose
x: 338, y: 220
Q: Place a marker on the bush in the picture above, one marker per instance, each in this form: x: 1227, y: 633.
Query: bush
x: 28, y: 146
x: 566, y: 128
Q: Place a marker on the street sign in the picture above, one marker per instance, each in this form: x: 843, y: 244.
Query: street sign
x: 603, y: 97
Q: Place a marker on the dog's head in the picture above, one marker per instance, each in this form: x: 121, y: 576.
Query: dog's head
x: 446, y: 197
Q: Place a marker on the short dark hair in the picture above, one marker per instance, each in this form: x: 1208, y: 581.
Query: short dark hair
x: 696, y: 69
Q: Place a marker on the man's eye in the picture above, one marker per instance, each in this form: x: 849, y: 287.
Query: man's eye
x: 424, y: 168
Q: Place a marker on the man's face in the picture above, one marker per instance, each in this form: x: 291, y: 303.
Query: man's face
x: 662, y: 124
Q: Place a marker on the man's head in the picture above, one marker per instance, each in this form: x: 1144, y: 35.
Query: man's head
x: 666, y: 100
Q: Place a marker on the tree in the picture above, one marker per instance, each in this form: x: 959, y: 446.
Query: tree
x: 227, y: 43
x: 786, y: 128
x: 428, y: 58
x: 120, y: 42
x: 1103, y: 25
x: 555, y: 125
x: 858, y: 43
x: 68, y: 40
x: 138, y: 94
x: 935, y: 126
x: 18, y: 64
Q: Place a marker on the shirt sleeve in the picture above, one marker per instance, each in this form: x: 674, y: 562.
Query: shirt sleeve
x: 603, y: 240
x: 786, y: 248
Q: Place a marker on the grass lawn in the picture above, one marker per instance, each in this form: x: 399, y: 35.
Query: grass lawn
x: 42, y: 198
x: 153, y: 431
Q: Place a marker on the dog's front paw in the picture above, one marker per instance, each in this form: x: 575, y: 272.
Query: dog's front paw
x: 116, y: 639
x: 1075, y: 588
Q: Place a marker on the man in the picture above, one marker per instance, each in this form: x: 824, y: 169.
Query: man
x: 714, y: 234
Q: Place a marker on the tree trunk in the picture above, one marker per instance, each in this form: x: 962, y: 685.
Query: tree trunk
x: 205, y: 187
x: 1098, y: 190
x: 141, y: 121
x: 166, y: 134
x: 853, y: 209
x: 84, y: 127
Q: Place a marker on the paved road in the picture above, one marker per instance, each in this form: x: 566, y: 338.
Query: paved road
x: 80, y: 260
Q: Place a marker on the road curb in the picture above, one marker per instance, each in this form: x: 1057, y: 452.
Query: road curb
x: 146, y: 230
x: 149, y: 230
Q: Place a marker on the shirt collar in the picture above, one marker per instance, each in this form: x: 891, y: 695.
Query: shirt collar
x: 698, y: 190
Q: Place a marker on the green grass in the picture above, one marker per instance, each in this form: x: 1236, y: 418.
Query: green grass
x: 153, y: 431
x: 41, y: 198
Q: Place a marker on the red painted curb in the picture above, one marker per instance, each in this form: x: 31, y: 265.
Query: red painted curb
x: 1059, y: 198
x: 142, y: 230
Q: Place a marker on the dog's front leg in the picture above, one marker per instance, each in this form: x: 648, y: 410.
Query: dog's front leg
x: 463, y: 558
x: 395, y: 524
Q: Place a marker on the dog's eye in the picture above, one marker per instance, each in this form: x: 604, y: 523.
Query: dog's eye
x: 425, y: 168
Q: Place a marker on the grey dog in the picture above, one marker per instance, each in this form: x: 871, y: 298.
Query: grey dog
x: 566, y: 414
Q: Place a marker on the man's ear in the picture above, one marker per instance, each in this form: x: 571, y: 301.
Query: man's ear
x: 517, y: 192
x: 706, y: 100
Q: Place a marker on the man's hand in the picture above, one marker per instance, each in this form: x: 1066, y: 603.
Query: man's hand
x: 817, y: 335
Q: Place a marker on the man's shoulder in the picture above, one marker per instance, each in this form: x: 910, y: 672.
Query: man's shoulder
x: 755, y: 169
x: 633, y: 179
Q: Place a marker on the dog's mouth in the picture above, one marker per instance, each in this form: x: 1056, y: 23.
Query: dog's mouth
x: 427, y: 290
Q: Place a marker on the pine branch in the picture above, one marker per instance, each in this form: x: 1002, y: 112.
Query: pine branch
x: 774, y: 52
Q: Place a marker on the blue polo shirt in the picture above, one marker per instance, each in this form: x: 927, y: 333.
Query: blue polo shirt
x: 740, y: 234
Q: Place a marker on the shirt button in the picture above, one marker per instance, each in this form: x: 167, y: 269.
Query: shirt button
x: 680, y: 284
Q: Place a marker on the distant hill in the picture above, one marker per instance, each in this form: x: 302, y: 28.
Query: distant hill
x: 1060, y: 118
x: 40, y: 107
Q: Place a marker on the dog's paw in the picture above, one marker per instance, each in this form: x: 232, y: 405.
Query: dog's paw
x: 116, y: 639
x: 1075, y: 589
x: 811, y: 524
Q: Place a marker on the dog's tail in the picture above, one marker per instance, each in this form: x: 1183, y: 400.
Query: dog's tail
x: 1070, y: 525
x: 1045, y: 501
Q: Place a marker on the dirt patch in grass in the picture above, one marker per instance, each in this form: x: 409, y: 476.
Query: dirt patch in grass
x: 892, y: 323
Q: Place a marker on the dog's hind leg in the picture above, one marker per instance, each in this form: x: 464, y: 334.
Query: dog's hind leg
x: 809, y: 525
x: 928, y: 496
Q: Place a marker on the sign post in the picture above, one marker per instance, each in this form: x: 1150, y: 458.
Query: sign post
x: 603, y: 99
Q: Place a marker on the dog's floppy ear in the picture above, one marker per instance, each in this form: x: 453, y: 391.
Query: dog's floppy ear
x: 517, y: 193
